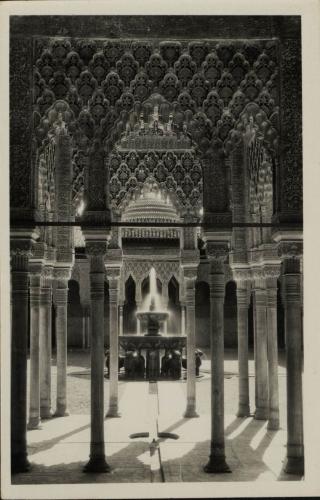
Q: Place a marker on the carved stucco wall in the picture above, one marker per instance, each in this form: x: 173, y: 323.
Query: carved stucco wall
x: 211, y: 82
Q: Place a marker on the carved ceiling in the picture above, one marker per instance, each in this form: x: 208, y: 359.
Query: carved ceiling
x: 212, y: 87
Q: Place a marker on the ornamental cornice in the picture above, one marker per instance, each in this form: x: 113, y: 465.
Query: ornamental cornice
x: 217, y: 251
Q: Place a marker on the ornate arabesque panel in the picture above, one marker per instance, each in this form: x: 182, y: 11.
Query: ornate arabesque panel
x: 208, y: 85
x: 139, y: 270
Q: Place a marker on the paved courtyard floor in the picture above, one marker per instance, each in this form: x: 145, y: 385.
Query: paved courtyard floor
x: 60, y: 448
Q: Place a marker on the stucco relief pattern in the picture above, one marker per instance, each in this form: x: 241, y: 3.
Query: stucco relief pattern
x: 208, y: 83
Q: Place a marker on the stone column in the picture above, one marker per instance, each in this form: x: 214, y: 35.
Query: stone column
x: 96, y: 250
x: 113, y: 278
x: 243, y: 299
x: 261, y: 355
x: 62, y: 276
x: 190, y: 279
x: 183, y: 319
x: 45, y: 342
x: 217, y: 460
x: 121, y: 319
x: 293, y: 328
x: 34, y: 400
x: 20, y: 253
x: 271, y: 283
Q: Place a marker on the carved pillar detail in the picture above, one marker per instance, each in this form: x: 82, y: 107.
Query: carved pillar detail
x: 45, y: 342
x: 96, y: 249
x: 113, y: 275
x: 35, y: 289
x: 217, y: 253
x: 291, y: 283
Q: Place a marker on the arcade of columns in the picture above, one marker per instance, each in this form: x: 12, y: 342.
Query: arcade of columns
x: 42, y: 259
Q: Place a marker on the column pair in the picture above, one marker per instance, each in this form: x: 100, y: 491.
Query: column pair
x: 62, y: 276
x: 266, y: 348
x: 20, y: 251
x: 40, y: 344
x: 216, y: 254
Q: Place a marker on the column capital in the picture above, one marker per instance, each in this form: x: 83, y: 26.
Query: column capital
x: 97, y: 248
x: 241, y: 275
x: 47, y: 276
x: 62, y: 273
x: 290, y: 249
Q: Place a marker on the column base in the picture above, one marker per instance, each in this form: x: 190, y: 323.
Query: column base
x: 217, y: 465
x: 20, y: 463
x: 294, y: 465
x: 61, y: 412
x: 113, y: 413
x: 261, y: 414
x: 273, y: 425
x: 46, y: 413
x: 97, y: 464
x: 243, y: 411
x: 190, y: 413
x: 34, y: 423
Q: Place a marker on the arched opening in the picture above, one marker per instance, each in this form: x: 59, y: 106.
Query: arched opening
x: 75, y: 314
x: 130, y: 308
x: 202, y: 313
x: 230, y: 315
x: 174, y: 321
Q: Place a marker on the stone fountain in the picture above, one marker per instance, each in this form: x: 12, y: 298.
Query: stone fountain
x: 153, y: 317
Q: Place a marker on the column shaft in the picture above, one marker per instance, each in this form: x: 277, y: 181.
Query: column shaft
x: 243, y: 350
x: 61, y: 339
x: 45, y: 352
x: 120, y: 320
x: 217, y: 460
x: 293, y: 328
x: 114, y: 351
x: 191, y: 346
x: 273, y: 423
x: 19, y: 338
x: 261, y: 356
x: 183, y: 320
x: 97, y: 462
x: 34, y: 407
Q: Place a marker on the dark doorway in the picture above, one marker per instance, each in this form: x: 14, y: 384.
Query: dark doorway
x: 130, y: 308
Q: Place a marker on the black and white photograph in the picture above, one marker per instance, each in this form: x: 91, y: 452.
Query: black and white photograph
x: 153, y: 336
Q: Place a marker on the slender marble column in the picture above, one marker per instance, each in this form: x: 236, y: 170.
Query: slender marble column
x: 45, y: 347
x: 97, y: 462
x: 19, y: 337
x: 121, y: 319
x: 191, y: 346
x: 113, y: 278
x: 261, y: 356
x: 34, y: 406
x: 243, y: 296
x: 183, y: 320
x: 217, y: 460
x: 293, y: 329
x: 273, y: 423
x: 61, y: 296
